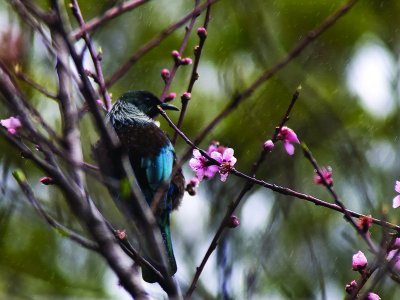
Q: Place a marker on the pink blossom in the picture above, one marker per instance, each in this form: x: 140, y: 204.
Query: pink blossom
x: 226, y: 160
x: 326, y: 174
x: 373, y: 296
x: 288, y: 136
x: 394, y: 257
x: 269, y: 145
x: 12, y: 124
x: 359, y: 261
x: 396, y: 200
x: 215, y: 146
x: 201, y: 166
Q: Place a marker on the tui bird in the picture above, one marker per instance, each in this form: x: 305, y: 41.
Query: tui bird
x: 152, y: 157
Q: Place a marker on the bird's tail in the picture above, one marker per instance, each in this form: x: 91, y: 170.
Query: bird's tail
x: 163, y: 224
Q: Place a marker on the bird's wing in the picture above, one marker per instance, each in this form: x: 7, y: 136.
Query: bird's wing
x: 158, y: 168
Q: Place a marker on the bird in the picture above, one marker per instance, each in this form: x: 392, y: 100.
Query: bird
x: 152, y: 158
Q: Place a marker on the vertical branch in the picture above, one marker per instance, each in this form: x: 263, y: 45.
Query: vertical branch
x: 202, y: 33
x: 95, y: 56
x: 177, y: 60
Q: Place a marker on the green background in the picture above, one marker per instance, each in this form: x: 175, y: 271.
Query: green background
x: 285, y: 248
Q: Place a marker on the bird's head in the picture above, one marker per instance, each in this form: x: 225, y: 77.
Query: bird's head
x: 145, y: 102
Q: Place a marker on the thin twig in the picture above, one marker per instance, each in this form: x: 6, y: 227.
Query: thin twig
x: 364, y: 235
x: 121, y: 71
x: 246, y: 188
x: 23, y: 77
x: 194, y: 76
x: 95, y: 56
x: 63, y: 230
x: 177, y: 63
x: 292, y: 54
x: 111, y: 13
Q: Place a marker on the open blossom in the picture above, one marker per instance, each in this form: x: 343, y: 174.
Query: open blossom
x: 396, y: 200
x: 226, y: 160
x: 12, y: 124
x: 326, y: 174
x: 359, y: 261
x: 201, y: 166
x: 288, y: 136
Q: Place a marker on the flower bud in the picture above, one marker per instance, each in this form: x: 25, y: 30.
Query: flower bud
x: 165, y: 74
x: 121, y: 234
x: 233, y: 222
x: 47, y: 180
x: 186, y: 96
x: 170, y: 97
x: 176, y: 56
x: 359, y: 261
x: 269, y: 145
x: 202, y: 32
x: 186, y: 61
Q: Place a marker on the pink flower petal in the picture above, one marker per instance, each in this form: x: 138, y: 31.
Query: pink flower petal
x: 228, y: 154
x: 233, y: 161
x: 396, y: 201
x: 217, y: 156
x: 211, y: 149
x: 224, y: 176
x: 12, y: 124
x: 292, y: 137
x: 373, y: 296
x: 396, y: 259
x: 396, y: 243
x: 194, y: 164
x: 289, y: 147
x: 397, y: 186
x: 211, y: 171
x: 196, y: 153
x: 200, y: 174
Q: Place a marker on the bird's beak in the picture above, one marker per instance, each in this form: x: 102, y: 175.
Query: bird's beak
x: 166, y: 106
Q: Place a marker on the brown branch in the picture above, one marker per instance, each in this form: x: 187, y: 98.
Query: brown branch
x: 292, y: 54
x: 194, y: 76
x: 23, y: 77
x: 121, y: 71
x: 95, y: 56
x: 111, y: 13
x: 63, y: 230
x: 232, y: 207
x: 177, y: 62
x: 347, y: 216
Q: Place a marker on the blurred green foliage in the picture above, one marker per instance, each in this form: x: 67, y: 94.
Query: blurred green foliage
x: 290, y: 249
